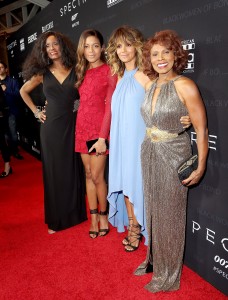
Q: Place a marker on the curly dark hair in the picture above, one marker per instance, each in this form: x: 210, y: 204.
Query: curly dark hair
x: 38, y: 61
x: 172, y: 41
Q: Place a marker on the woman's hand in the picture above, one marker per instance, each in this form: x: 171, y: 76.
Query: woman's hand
x: 42, y: 116
x: 100, y: 147
x: 185, y: 121
x: 194, y: 178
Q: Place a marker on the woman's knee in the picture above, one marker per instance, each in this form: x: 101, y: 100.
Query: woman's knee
x: 97, y: 178
x: 88, y: 173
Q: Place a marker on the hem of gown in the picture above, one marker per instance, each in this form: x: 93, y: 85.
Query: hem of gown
x: 158, y: 290
x: 66, y: 223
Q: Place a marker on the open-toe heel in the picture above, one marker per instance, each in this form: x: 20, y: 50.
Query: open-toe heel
x: 93, y: 234
x: 125, y: 241
x: 134, y: 236
x: 103, y: 230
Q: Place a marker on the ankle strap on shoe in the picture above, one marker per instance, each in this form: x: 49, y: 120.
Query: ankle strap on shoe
x: 93, y: 211
x: 103, y: 213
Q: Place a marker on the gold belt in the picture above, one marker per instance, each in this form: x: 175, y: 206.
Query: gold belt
x: 157, y: 135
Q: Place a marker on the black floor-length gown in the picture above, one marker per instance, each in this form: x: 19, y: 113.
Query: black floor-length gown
x: 64, y: 186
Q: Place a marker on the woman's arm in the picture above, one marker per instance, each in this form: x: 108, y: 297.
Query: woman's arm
x: 26, y: 89
x: 191, y: 97
x: 100, y: 145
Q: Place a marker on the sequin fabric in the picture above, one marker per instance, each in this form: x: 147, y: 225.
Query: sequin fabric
x: 165, y: 197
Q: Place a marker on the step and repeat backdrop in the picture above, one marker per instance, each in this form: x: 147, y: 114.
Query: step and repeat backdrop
x: 202, y: 25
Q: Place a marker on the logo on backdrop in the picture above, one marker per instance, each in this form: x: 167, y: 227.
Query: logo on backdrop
x: 189, y: 45
x: 12, y: 45
x: 48, y: 27
x: 212, y: 140
x: 34, y: 147
x: 220, y: 262
x: 70, y: 6
x: 22, y: 44
x: 32, y: 38
x: 113, y: 2
x: 74, y: 20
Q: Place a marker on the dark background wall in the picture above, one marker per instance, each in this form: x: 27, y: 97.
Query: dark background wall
x: 203, y: 27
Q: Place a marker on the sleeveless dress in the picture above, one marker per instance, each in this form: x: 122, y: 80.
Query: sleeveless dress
x: 164, y: 148
x: 126, y: 135
x: 64, y: 188
x: 94, y: 113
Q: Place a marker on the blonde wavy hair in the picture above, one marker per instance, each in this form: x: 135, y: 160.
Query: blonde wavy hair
x: 124, y: 34
x: 82, y: 63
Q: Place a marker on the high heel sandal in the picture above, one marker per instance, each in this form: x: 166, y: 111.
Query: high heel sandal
x: 136, y: 237
x: 125, y: 241
x: 105, y: 230
x: 91, y: 232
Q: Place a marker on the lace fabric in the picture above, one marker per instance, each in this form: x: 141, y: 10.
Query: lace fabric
x: 94, y: 113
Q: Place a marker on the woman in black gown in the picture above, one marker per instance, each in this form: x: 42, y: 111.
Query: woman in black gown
x: 52, y: 63
x: 4, y: 149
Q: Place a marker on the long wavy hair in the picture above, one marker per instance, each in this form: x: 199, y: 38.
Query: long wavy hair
x: 82, y: 63
x: 38, y: 61
x: 124, y: 34
x: 170, y: 40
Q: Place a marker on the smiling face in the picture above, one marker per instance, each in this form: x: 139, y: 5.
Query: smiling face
x: 162, y: 59
x: 93, y: 50
x: 53, y: 48
x: 126, y: 52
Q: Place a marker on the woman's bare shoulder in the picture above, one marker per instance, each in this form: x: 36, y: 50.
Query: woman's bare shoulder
x: 142, y: 78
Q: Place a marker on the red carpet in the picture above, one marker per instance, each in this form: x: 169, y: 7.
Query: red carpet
x: 68, y: 264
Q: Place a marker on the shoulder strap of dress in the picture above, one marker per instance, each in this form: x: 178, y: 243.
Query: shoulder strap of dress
x: 174, y: 79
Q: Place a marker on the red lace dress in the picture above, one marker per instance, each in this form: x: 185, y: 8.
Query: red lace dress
x: 94, y: 113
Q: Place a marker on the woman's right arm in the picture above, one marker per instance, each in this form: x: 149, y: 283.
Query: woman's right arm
x: 26, y: 90
x: 191, y: 97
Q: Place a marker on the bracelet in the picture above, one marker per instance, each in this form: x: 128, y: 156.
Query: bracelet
x: 36, y: 113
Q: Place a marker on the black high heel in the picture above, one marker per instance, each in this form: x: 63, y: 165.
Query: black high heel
x: 4, y: 174
x: 137, y: 236
x: 105, y: 230
x: 94, y: 233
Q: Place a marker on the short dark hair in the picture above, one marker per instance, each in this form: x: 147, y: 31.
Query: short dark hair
x: 172, y: 41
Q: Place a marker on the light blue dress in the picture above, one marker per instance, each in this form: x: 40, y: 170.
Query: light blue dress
x: 126, y: 136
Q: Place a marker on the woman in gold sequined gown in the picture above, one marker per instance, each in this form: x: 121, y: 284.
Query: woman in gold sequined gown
x: 165, y: 146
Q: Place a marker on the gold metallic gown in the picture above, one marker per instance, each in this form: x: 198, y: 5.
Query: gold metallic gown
x: 165, y: 146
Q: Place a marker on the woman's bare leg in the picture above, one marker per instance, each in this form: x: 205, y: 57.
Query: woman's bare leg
x: 97, y: 170
x: 91, y: 193
x: 134, y: 228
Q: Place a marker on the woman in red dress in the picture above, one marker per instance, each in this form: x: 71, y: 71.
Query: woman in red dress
x: 96, y: 86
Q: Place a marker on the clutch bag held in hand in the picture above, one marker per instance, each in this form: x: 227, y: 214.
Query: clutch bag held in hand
x: 187, y: 167
x: 90, y: 143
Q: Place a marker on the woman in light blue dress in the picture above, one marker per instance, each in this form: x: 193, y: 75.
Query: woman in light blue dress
x: 125, y: 194
x: 127, y: 132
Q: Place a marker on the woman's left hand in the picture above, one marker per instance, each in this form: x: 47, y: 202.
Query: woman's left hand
x: 185, y: 121
x: 194, y: 178
x: 100, y: 147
